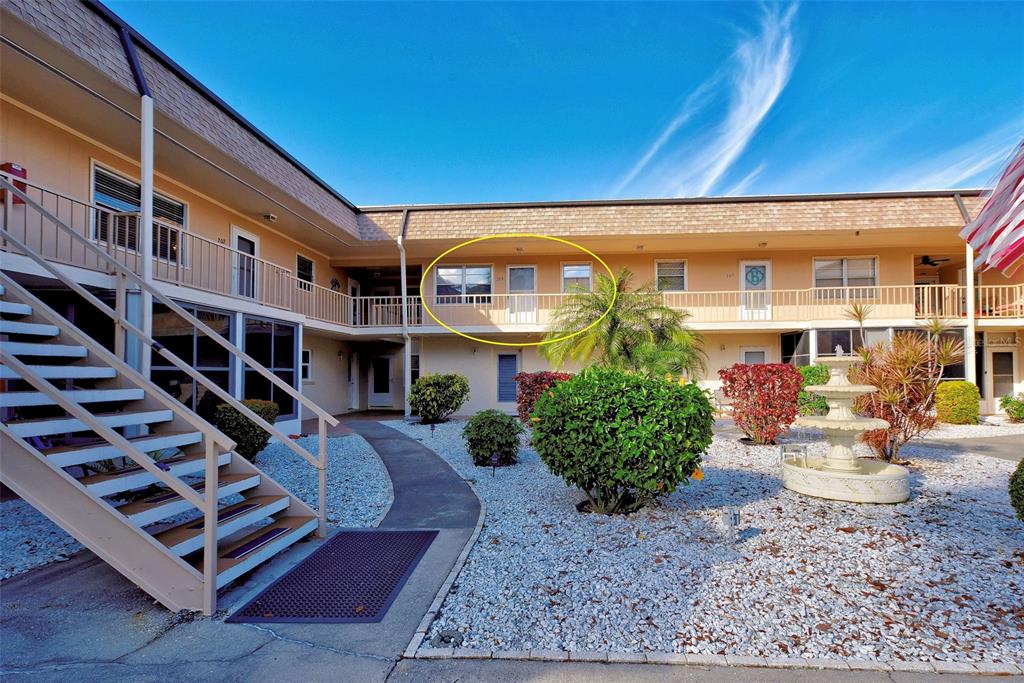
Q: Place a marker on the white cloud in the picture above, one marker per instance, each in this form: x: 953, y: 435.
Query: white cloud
x: 741, y: 187
x: 975, y: 162
x: 756, y: 75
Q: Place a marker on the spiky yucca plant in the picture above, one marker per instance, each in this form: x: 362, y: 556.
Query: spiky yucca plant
x: 907, y: 372
x: 640, y: 333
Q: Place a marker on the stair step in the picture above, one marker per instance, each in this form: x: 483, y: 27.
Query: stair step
x: 66, y: 456
x: 62, y: 425
x: 3, y: 290
x: 187, y: 537
x: 134, y: 476
x: 24, y: 399
x: 34, y: 329
x: 12, y: 308
x: 51, y: 350
x: 167, y: 503
x: 63, y: 372
x: 256, y: 548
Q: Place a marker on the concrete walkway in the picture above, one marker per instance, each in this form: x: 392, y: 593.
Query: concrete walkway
x: 1005, y: 447
x: 82, y: 619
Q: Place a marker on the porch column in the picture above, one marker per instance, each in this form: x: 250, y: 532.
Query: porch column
x: 812, y: 350
x: 970, y: 369
x: 146, y: 227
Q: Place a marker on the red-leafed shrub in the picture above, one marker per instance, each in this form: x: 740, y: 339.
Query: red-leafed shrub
x: 531, y: 386
x: 764, y: 398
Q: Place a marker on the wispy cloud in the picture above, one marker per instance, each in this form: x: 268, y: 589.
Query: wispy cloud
x: 974, y: 162
x: 744, y: 183
x: 751, y: 83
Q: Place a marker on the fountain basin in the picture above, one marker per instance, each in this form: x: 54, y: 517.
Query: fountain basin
x: 875, y: 482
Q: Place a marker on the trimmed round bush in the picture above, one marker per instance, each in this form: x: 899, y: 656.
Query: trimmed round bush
x: 622, y: 438
x: 957, y: 403
x: 435, y: 397
x: 1017, y: 490
x: 250, y: 438
x: 808, y: 403
x: 493, y: 433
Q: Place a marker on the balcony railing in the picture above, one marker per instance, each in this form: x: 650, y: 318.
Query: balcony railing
x: 189, y: 260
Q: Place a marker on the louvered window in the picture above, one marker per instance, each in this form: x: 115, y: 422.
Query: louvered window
x: 120, y: 195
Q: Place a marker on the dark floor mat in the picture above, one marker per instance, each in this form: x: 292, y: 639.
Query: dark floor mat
x: 353, y: 579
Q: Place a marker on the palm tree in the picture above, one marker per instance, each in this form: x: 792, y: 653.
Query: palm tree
x: 639, y: 333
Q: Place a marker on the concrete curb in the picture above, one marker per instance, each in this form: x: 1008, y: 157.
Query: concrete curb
x: 675, y: 659
x: 414, y: 648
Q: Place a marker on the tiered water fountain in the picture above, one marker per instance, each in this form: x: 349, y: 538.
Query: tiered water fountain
x: 841, y: 475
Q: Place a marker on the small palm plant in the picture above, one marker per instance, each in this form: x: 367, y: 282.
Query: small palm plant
x: 639, y: 333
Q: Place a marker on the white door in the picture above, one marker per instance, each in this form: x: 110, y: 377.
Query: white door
x: 999, y: 375
x: 244, y: 263
x: 380, y: 382
x: 522, y: 289
x: 385, y: 307
x: 353, y: 292
x: 353, y: 381
x: 756, y: 285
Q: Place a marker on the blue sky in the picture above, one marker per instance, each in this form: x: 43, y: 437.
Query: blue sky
x: 414, y: 103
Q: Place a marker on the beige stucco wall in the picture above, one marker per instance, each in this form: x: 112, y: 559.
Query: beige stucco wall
x: 62, y: 161
x: 328, y: 385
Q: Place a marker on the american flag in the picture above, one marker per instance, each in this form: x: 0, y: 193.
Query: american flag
x: 997, y: 232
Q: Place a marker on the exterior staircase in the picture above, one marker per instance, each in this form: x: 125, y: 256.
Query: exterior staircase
x: 133, y: 474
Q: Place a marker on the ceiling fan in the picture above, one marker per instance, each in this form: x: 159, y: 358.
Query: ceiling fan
x: 929, y: 261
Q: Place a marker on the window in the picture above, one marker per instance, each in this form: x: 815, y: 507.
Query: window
x: 849, y: 339
x: 118, y: 194
x: 304, y: 271
x: 796, y: 347
x: 575, y: 276
x: 463, y: 284
x: 414, y: 367
x: 754, y: 356
x: 196, y: 349
x: 271, y: 344
x: 508, y: 368
x: 670, y: 276
x: 306, y: 368
x: 846, y: 272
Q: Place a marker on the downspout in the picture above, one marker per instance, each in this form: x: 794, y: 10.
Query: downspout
x: 970, y: 366
x: 407, y: 346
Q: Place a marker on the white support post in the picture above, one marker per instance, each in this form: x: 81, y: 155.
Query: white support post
x: 970, y: 332
x: 210, y: 499
x: 146, y: 226
x: 813, y: 345
x: 407, y: 346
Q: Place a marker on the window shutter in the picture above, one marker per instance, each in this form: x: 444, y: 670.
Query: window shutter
x: 508, y: 367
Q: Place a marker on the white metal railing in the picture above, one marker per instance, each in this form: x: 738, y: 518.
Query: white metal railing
x: 191, y: 260
x: 13, y: 241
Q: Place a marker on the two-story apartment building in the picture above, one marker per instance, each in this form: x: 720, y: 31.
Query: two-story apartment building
x: 325, y: 296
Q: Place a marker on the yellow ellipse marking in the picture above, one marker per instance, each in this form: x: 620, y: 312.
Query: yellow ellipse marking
x: 423, y: 279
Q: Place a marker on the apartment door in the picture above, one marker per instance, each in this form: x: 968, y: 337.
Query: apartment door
x: 380, y: 382
x: 756, y: 285
x: 522, y: 289
x: 353, y: 292
x: 247, y: 247
x: 353, y: 381
x: 999, y: 375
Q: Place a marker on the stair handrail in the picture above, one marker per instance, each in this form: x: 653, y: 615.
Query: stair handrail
x: 323, y: 417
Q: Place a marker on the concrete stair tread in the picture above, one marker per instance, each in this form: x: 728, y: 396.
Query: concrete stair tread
x: 14, y: 308
x: 48, y: 426
x: 234, y: 555
x: 20, y: 399
x: 66, y: 456
x: 229, y: 520
x: 34, y: 329
x: 44, y: 349
x: 63, y: 372
x: 134, y: 476
x: 166, y: 502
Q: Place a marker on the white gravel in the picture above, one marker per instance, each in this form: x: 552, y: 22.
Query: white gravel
x: 358, y: 494
x: 939, y: 577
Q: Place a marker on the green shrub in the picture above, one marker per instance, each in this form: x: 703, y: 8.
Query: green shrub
x: 622, y: 438
x: 1017, y: 490
x: 250, y: 438
x: 808, y: 403
x: 436, y: 397
x: 1013, y: 407
x: 492, y: 432
x: 957, y: 403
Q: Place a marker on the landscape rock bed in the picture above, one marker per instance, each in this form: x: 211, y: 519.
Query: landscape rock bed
x: 937, y: 578
x: 358, y: 493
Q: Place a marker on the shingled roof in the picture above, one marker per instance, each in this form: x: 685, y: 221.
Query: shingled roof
x: 88, y: 30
